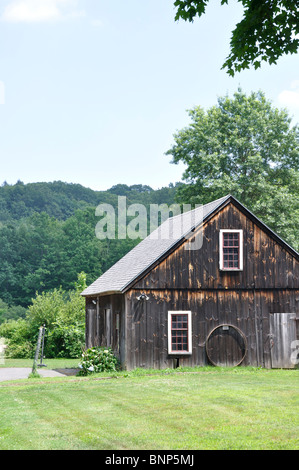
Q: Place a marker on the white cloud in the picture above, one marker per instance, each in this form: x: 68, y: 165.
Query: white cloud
x: 290, y: 98
x: 35, y: 11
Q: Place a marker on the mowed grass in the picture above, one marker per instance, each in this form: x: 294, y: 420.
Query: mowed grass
x: 204, y: 409
x: 50, y: 363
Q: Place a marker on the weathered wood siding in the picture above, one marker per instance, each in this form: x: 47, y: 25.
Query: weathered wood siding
x: 147, y: 327
x: 267, y: 265
x: 283, y: 337
x: 96, y: 328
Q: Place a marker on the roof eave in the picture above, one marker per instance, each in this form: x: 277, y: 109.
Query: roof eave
x: 101, y: 294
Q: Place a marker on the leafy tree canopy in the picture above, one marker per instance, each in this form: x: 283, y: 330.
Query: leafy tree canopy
x: 247, y: 148
x: 267, y: 31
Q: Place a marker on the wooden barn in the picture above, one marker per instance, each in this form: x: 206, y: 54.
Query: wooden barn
x: 222, y: 291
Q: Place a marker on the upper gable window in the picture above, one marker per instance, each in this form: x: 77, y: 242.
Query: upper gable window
x: 231, y: 250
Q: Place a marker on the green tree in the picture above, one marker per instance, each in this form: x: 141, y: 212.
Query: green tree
x: 246, y: 147
x: 267, y: 31
x: 63, y: 314
x: 83, y: 251
x: 46, y: 308
x: 13, y: 312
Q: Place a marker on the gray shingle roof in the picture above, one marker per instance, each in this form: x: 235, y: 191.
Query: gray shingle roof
x: 150, y: 250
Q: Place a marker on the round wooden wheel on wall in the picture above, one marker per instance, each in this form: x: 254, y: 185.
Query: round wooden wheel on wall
x: 226, y: 346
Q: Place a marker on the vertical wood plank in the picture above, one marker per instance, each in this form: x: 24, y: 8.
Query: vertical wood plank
x: 283, y: 333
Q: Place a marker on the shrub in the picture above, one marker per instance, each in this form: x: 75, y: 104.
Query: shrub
x: 98, y: 360
x: 16, y: 330
x: 65, y: 341
x: 18, y: 339
x: 63, y: 314
x: 19, y: 351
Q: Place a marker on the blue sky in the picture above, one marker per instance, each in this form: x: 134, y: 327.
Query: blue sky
x: 92, y: 91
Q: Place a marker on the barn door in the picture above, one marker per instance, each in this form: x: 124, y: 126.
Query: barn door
x: 282, y: 334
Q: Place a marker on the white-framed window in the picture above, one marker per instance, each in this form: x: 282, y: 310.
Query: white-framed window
x: 231, y: 250
x: 179, y: 332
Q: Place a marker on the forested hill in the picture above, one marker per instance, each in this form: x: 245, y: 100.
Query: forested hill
x: 47, y: 235
x: 61, y: 200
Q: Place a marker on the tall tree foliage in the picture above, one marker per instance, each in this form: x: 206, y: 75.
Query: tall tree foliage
x: 61, y: 200
x: 267, y: 31
x: 246, y: 147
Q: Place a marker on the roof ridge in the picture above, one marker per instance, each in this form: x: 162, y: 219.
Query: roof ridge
x: 200, y: 205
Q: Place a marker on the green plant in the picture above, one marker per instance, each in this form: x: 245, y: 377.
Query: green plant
x: 34, y: 375
x: 18, y: 338
x: 65, y: 340
x: 63, y: 313
x: 98, y: 360
x: 21, y: 351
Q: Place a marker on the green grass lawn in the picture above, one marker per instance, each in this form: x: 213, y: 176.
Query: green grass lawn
x: 208, y: 408
x: 51, y: 363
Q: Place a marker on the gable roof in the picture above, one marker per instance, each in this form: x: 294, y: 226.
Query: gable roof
x: 150, y: 250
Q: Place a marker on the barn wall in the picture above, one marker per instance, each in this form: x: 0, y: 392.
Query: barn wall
x: 96, y: 328
x: 147, y: 323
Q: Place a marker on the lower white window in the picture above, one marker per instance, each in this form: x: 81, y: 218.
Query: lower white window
x: 179, y: 332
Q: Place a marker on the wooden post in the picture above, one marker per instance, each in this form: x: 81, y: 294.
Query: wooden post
x: 37, y: 350
x: 43, y: 343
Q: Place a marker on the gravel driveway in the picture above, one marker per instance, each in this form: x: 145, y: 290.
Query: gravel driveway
x: 16, y: 373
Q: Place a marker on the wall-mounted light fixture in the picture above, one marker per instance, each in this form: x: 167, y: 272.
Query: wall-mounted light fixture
x: 142, y: 297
